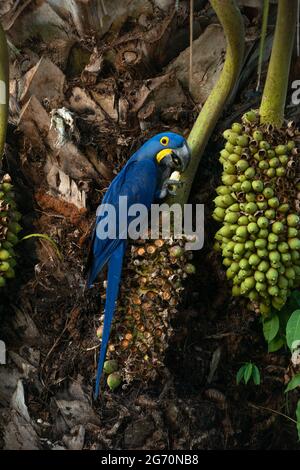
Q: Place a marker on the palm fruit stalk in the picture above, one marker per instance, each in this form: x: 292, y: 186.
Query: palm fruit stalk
x: 258, y: 202
x: 151, y: 289
x: 232, y: 22
x: 9, y: 217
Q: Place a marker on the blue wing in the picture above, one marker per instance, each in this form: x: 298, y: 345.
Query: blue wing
x: 137, y: 180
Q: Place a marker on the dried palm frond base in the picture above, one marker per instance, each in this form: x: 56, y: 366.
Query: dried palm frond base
x: 150, y: 293
x: 9, y: 229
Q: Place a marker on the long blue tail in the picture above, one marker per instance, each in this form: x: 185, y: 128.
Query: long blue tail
x: 113, y: 282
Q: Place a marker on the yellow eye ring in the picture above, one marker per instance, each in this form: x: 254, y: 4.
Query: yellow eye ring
x: 164, y: 140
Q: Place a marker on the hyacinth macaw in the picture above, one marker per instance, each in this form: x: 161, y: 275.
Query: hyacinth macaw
x: 144, y: 179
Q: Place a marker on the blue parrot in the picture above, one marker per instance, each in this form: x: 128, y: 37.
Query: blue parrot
x: 144, y: 179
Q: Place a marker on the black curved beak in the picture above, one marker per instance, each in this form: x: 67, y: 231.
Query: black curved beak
x: 181, y: 157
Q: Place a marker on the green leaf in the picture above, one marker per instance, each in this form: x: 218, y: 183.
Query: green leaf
x: 294, y: 383
x: 256, y: 375
x: 270, y: 328
x: 298, y: 418
x: 45, y: 237
x: 248, y: 372
x: 240, y: 374
x: 293, y: 328
x: 275, y: 344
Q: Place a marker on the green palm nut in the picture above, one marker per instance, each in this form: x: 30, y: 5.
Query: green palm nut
x: 250, y: 173
x: 274, y: 162
x: 268, y: 192
x: 282, y: 282
x: 273, y: 238
x: 291, y: 144
x: 231, y: 217
x: 286, y: 258
x: 290, y: 273
x: 2, y: 281
x: 4, y: 266
x: 110, y: 366
x: 254, y: 260
x: 281, y: 149
x: 264, y: 308
x: 260, y: 243
x: 271, y: 172
x: 251, y: 207
x: 248, y: 253
x: 272, y: 276
x: 242, y: 140
x: 263, y: 144
x: 228, y: 180
x: 262, y: 253
x: 258, y: 135
x: 236, y: 186
x: 283, y: 159
x: 252, y: 228
x: 278, y: 302
x: 14, y: 227
x: 234, y: 207
x: 242, y: 165
x: 235, y: 267
x: 274, y: 257
x: 229, y: 273
x: 219, y: 202
x: 224, y: 154
x: 114, y: 381
x: 250, y: 197
x: 243, y: 220
x: 280, y: 171
x: 233, y: 158
x: 273, y: 291
x: 249, y: 283
x: 270, y: 214
x: 237, y: 127
x: 262, y: 205
x: 229, y: 147
x: 4, y: 255
x: 272, y: 246
x: 263, y: 266
x: 246, y: 186
x: 227, y: 134
x: 227, y: 262
x: 273, y: 202
x: 253, y: 295
x: 293, y: 220
x: 242, y: 274
x: 261, y: 287
x: 6, y: 187
x: 283, y: 208
x: 241, y: 178
x: 226, y: 252
x: 249, y: 245
x: 294, y: 243
x: 239, y: 249
x: 263, y: 165
x: 259, y: 276
x: 229, y: 168
x: 271, y: 153
x: 222, y: 190
x: 12, y: 238
x: 278, y: 228
x: 238, y: 149
x: 292, y: 232
x: 249, y: 116
x: 283, y: 247
x: 295, y: 255
x: 244, y: 264
x: 242, y: 232
x: 236, y: 291
x: 190, y: 268
x: 233, y: 138
x: 262, y: 222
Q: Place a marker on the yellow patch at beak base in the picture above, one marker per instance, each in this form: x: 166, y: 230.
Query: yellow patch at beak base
x: 162, y: 154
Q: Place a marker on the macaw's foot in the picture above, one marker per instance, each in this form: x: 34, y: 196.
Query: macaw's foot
x: 169, y: 187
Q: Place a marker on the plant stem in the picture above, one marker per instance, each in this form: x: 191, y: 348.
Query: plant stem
x: 232, y: 22
x: 275, y: 91
x: 4, y: 89
x: 262, y: 40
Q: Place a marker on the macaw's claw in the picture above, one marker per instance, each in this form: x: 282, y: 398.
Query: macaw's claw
x: 170, y: 186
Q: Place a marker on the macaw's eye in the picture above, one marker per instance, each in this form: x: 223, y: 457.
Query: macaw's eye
x: 164, y: 140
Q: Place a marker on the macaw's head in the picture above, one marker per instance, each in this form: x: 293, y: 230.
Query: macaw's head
x: 169, y: 150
